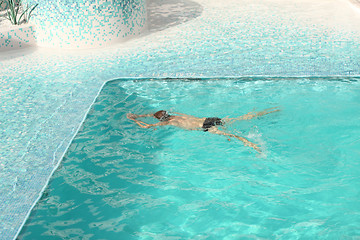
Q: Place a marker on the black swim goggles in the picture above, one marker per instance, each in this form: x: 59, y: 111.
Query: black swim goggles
x: 165, y: 117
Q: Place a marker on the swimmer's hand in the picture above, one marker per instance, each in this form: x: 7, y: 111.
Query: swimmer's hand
x: 132, y: 116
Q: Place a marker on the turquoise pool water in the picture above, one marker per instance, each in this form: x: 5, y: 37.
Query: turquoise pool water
x: 118, y: 181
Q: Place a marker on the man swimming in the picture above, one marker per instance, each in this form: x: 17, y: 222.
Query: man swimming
x: 204, y: 124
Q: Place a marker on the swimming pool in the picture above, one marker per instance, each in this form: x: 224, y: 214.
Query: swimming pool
x: 45, y: 94
x: 119, y: 181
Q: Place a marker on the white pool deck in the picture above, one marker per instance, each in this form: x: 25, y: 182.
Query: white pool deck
x: 45, y: 93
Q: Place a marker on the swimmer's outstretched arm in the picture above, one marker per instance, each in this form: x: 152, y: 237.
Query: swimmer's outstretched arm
x: 141, y: 124
x: 244, y: 140
x: 146, y: 125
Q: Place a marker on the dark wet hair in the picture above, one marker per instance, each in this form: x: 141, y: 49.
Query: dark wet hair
x: 162, y: 115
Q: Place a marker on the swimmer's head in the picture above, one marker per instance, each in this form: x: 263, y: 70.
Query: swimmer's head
x: 162, y: 115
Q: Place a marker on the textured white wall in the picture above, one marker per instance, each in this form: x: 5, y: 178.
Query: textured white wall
x: 85, y: 23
